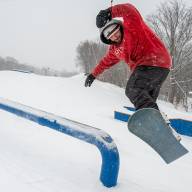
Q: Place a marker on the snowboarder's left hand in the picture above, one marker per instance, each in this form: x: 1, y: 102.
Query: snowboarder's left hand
x: 103, y: 17
x: 89, y: 80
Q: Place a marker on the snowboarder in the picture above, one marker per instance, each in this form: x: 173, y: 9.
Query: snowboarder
x: 134, y: 42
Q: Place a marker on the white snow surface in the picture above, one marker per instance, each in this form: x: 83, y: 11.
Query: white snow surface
x: 34, y: 158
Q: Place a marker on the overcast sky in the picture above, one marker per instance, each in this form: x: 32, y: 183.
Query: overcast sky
x: 47, y: 32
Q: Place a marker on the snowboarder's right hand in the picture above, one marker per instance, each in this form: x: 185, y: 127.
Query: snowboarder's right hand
x: 89, y: 80
x: 103, y: 17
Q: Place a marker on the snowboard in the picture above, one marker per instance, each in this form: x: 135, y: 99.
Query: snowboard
x: 149, y: 125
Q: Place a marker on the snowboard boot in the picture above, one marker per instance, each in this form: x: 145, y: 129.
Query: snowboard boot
x: 176, y: 135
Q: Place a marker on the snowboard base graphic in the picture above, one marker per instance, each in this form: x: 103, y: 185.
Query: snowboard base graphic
x: 149, y: 125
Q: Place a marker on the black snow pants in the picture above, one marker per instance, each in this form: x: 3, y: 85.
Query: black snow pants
x: 144, y: 85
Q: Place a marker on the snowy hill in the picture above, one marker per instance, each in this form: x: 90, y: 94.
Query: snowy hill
x: 34, y: 158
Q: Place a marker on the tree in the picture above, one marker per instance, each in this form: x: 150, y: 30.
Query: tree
x: 172, y: 21
x: 89, y: 54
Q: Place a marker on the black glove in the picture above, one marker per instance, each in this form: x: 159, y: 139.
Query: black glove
x: 89, y: 80
x: 103, y: 17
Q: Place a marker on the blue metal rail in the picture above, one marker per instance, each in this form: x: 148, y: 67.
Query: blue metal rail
x: 97, y: 137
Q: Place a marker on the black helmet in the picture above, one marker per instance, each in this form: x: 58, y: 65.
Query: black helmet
x: 109, y: 29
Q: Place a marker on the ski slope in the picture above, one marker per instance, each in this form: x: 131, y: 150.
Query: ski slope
x: 34, y: 158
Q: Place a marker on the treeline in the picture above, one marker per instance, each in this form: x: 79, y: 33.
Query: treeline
x: 10, y: 63
x: 172, y: 21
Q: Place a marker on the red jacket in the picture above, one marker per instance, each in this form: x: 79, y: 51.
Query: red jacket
x: 140, y: 45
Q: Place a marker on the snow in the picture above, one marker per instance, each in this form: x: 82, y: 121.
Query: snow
x: 34, y: 158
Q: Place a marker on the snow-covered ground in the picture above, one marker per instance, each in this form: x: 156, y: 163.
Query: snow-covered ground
x: 34, y: 158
